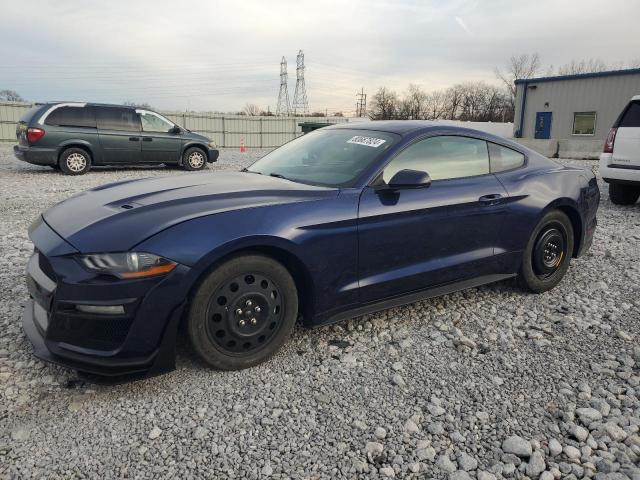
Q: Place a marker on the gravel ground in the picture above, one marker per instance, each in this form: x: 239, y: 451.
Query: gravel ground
x: 486, y: 383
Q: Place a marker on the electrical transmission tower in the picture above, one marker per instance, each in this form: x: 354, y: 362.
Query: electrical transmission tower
x: 283, y: 108
x: 300, y: 102
x: 361, y: 104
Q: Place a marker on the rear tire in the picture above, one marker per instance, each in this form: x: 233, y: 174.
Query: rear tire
x: 548, y: 253
x: 621, y: 194
x: 75, y: 161
x: 243, y: 312
x: 193, y: 159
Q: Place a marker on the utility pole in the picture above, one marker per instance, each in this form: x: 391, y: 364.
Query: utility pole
x: 284, y: 107
x: 361, y: 103
x: 300, y: 102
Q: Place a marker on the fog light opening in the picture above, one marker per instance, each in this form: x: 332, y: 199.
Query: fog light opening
x: 101, y: 309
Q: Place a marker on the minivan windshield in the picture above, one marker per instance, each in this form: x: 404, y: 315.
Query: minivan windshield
x: 327, y: 157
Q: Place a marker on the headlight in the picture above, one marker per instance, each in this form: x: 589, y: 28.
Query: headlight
x: 127, y: 265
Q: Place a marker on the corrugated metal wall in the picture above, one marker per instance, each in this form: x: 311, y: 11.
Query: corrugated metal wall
x: 606, y: 96
x: 225, y: 130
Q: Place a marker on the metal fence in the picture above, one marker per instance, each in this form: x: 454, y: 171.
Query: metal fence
x: 225, y: 130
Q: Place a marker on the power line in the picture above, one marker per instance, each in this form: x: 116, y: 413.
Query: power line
x: 283, y: 107
x: 300, y: 102
x: 361, y: 103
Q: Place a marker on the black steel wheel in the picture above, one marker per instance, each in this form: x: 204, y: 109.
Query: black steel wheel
x: 548, y: 253
x: 243, y: 312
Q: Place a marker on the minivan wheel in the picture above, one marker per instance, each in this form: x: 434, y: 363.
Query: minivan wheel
x: 621, y: 194
x: 548, y: 253
x: 243, y: 312
x: 75, y: 161
x: 194, y: 159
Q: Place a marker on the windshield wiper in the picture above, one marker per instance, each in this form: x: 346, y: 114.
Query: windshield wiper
x: 246, y: 170
x: 278, y: 175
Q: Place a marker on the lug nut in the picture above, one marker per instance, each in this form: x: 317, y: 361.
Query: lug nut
x: 239, y: 311
x: 257, y: 309
x: 249, y: 303
x: 253, y: 321
x: 242, y: 323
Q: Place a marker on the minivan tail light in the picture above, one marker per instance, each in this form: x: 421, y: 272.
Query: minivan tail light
x: 609, y: 142
x: 35, y: 134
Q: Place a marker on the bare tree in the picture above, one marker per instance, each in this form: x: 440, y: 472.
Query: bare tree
x: 137, y: 104
x: 435, y: 105
x: 519, y: 67
x: 412, y: 106
x: 384, y: 105
x: 251, y: 109
x: 585, y: 66
x: 10, y: 96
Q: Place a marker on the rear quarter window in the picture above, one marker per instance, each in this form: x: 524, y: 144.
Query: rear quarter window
x: 631, y: 117
x: 503, y: 158
x: 26, y: 118
x: 72, y: 117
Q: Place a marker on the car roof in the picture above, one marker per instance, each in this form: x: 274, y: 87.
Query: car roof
x: 418, y: 127
x: 93, y: 104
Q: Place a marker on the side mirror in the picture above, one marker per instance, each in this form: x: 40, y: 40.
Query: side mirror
x: 407, y: 179
x: 175, y: 130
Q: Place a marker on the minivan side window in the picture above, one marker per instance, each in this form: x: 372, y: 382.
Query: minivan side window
x: 114, y: 118
x: 503, y: 158
x: 443, y: 157
x: 72, y: 117
x: 632, y: 116
x: 154, y: 123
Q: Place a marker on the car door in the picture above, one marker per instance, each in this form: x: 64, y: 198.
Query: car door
x: 418, y: 238
x: 160, y: 143
x: 119, y: 134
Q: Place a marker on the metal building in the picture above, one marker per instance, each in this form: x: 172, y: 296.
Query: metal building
x: 572, y: 113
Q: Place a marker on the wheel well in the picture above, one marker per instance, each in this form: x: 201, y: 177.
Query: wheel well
x: 195, y: 145
x: 294, y: 266
x: 576, y: 224
x: 74, y: 145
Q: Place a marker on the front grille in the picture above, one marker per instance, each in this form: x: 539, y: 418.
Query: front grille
x: 99, y: 332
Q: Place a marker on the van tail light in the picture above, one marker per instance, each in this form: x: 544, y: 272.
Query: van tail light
x: 34, y: 134
x: 611, y: 139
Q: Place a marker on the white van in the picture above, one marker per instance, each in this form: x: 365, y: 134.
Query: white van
x: 620, y: 160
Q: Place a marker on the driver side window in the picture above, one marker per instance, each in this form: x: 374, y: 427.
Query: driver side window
x: 443, y: 157
x: 153, y: 123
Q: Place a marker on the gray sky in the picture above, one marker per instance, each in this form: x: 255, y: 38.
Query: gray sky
x: 219, y: 55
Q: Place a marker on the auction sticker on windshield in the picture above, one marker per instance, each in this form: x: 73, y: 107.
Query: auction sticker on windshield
x: 368, y: 141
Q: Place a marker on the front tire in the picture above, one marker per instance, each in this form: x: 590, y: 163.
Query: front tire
x: 243, y: 312
x: 548, y: 253
x: 621, y: 194
x: 74, y: 161
x: 194, y: 159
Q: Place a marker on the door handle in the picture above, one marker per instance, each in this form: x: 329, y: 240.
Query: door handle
x: 492, y: 199
x: 147, y: 139
x: 134, y: 139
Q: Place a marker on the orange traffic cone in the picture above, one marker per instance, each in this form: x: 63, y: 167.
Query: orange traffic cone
x: 242, y: 147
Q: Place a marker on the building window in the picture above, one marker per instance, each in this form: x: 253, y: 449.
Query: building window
x: 584, y: 123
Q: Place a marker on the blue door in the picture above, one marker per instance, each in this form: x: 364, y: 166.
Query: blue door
x: 543, y: 125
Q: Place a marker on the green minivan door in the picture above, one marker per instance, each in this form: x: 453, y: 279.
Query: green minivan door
x: 119, y: 134
x: 161, y: 141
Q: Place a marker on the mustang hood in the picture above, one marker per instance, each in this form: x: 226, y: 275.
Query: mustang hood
x: 138, y: 209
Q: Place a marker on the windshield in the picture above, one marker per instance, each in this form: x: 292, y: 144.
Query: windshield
x: 330, y: 157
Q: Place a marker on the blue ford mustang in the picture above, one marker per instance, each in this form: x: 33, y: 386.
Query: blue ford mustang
x: 341, y: 222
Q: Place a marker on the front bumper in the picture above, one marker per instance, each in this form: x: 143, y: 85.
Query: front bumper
x: 212, y: 155
x: 137, y: 343
x: 36, y: 155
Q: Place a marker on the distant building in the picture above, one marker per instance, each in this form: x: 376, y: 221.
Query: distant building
x: 573, y: 113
